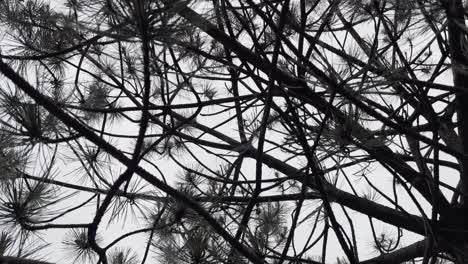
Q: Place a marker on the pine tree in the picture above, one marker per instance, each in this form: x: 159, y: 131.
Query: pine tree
x: 215, y: 131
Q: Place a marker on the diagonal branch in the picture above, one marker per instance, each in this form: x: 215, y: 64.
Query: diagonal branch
x: 68, y: 120
x: 386, y: 214
x: 401, y: 255
x: 301, y: 90
x: 18, y: 260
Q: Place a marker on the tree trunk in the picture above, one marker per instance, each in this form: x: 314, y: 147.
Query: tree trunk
x: 459, y: 56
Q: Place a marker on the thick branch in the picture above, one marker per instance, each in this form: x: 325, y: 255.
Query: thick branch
x: 117, y: 154
x: 359, y: 204
x: 16, y: 260
x: 401, y: 255
x: 301, y: 90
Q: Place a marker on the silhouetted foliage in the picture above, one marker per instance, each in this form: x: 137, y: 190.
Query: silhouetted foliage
x: 247, y: 131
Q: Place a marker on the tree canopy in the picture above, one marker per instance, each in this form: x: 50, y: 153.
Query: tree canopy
x: 247, y: 131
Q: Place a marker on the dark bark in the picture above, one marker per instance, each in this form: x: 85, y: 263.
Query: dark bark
x: 459, y: 56
x: 17, y: 260
x: 407, y: 253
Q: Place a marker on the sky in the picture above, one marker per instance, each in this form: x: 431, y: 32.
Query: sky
x: 68, y: 169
